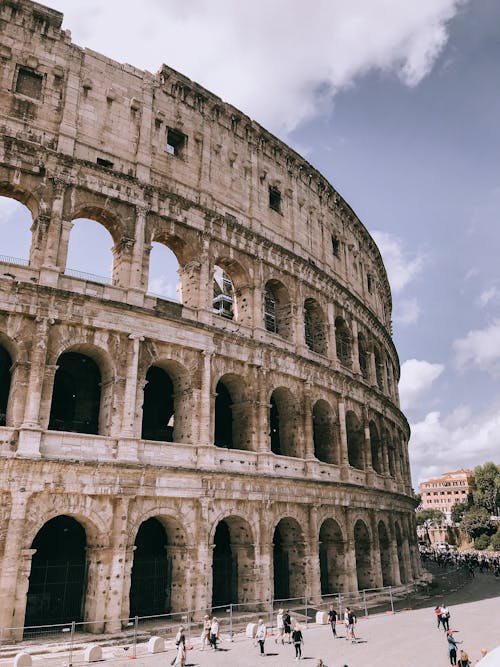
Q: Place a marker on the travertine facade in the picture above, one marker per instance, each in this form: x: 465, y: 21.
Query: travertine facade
x: 247, y: 444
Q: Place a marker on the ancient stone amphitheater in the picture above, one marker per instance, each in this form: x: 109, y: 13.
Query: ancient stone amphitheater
x: 245, y: 444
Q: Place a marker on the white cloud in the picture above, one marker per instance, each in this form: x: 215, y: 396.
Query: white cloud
x: 460, y: 440
x: 488, y: 295
x: 416, y: 380
x: 162, y: 286
x: 282, y: 61
x: 401, y: 265
x: 480, y: 348
x: 406, y: 311
x: 8, y: 208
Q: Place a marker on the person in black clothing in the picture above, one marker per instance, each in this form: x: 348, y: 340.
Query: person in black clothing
x: 332, y: 619
x: 287, y: 624
x: 298, y: 640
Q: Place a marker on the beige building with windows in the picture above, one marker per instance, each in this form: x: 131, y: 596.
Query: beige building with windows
x: 448, y: 490
x: 245, y: 444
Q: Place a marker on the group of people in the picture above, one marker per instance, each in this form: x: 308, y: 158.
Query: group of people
x: 284, y: 631
x: 443, y: 619
x: 470, y: 562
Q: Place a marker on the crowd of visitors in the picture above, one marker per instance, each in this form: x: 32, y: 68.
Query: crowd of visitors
x: 472, y: 562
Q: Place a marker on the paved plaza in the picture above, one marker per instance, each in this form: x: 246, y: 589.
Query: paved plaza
x: 406, y: 639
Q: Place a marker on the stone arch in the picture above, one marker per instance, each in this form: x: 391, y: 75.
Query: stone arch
x: 363, y: 356
x: 278, y: 312
x: 314, y: 327
x: 324, y: 433
x: 177, y: 252
x: 233, y: 413
x: 18, y: 238
x: 331, y: 557
x: 376, y: 448
x: 385, y: 554
x: 355, y: 440
x: 231, y: 290
x: 56, y: 592
x: 289, y: 555
x: 403, y: 571
x: 343, y: 342
x: 233, y: 561
x: 77, y: 407
x: 164, y: 276
x: 157, y: 583
x: 283, y: 423
x: 363, y: 549
x: 166, y: 408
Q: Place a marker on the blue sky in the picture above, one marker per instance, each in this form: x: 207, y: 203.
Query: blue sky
x: 397, y: 103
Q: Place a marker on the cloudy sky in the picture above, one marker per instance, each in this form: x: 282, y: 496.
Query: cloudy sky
x: 397, y: 103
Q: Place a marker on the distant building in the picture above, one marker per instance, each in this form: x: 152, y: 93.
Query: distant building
x: 445, y: 491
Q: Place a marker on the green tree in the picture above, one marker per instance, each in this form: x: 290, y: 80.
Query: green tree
x: 487, y: 487
x: 495, y: 541
x: 429, y: 515
x: 476, y: 522
x: 458, y: 510
x: 482, y: 542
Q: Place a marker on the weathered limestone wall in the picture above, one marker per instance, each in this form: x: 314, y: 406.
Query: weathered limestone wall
x: 83, y: 136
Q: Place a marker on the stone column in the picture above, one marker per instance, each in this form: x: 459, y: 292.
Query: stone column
x: 62, y: 250
x: 332, y: 341
x: 130, y: 424
x: 143, y: 156
x: 98, y: 566
x: 344, y: 456
x: 16, y: 567
x: 127, y: 580
x: 372, y: 371
x: 263, y: 408
x: 313, y: 574
x: 122, y: 261
x: 117, y: 562
x: 137, y: 286
x: 393, y: 547
x: 205, y: 402
x: 49, y: 270
x: 67, y: 128
x: 308, y: 450
x: 355, y: 348
x: 368, y: 443
x: 17, y: 395
x: 376, y: 573
x: 30, y: 432
x: 350, y: 575
x: 39, y: 230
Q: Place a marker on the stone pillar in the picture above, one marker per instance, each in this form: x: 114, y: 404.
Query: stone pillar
x: 376, y: 573
x: 204, y: 411
x: 351, y: 575
x: 39, y: 230
x: 368, y: 444
x: 127, y: 580
x: 190, y: 277
x: 30, y: 432
x: 143, y: 156
x: 118, y: 558
x: 98, y: 567
x: 49, y: 270
x: 130, y: 424
x: 62, y: 251
x: 263, y: 408
x: 313, y: 573
x: 265, y: 567
x: 372, y: 371
x: 122, y: 262
x: 17, y: 396
x: 332, y: 341
x: 411, y: 533
x: 308, y: 449
x: 355, y: 348
x: 46, y: 397
x: 16, y: 566
x: 393, y: 547
x: 137, y: 286
x: 344, y: 456
x: 67, y: 128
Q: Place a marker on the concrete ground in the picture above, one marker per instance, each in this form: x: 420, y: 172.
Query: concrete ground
x: 406, y: 639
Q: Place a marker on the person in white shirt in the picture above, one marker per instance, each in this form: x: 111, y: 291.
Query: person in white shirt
x: 260, y: 636
x: 280, y: 627
x: 214, y: 633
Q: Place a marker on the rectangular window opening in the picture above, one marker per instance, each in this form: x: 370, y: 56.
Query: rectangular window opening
x: 335, y: 246
x: 102, y: 162
x: 274, y: 199
x: 176, y: 142
x: 29, y: 83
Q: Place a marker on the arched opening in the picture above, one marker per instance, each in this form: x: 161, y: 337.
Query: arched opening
x: 232, y: 424
x: 277, y: 309
x: 90, y: 251
x: 5, y: 366
x: 355, y: 441
x: 325, y: 445
x: 391, y: 456
x: 76, y: 397
x: 363, y: 356
x: 362, y: 547
x: 151, y: 578
x: 288, y: 560
x: 331, y: 557
x: 376, y: 448
x: 223, y: 301
x: 58, y: 573
x: 163, y: 279
x: 16, y: 221
x: 158, y: 407
x: 314, y: 327
x: 403, y: 575
x: 379, y: 368
x: 385, y: 554
x: 343, y: 342
x: 282, y: 421
x: 233, y: 562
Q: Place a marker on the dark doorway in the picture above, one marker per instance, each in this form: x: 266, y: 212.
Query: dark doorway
x: 274, y: 423
x: 77, y: 395
x: 362, y: 547
x: 58, y: 572
x: 5, y: 366
x: 158, y: 406
x: 223, y: 436
x: 281, y: 568
x: 224, y: 568
x: 150, y: 586
x: 331, y: 557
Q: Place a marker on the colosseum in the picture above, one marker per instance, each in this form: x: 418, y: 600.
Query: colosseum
x: 244, y: 444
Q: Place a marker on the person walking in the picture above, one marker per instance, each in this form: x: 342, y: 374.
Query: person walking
x: 298, y: 640
x: 463, y: 660
x: 346, y: 622
x: 205, y: 634
x: 437, y: 611
x: 287, y: 625
x: 452, y: 648
x: 351, y: 617
x: 180, y: 642
x: 280, y: 627
x: 260, y: 636
x: 214, y: 633
x: 445, y: 617
x: 332, y: 619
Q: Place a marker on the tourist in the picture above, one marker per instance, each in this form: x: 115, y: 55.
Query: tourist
x: 346, y: 622
x: 214, y: 633
x: 180, y: 642
x: 437, y: 611
x: 298, y: 640
x: 260, y: 636
x: 463, y: 661
x: 205, y: 634
x: 280, y: 627
x: 287, y: 625
x: 332, y: 619
x: 445, y: 617
x: 452, y: 648
x: 352, y: 620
